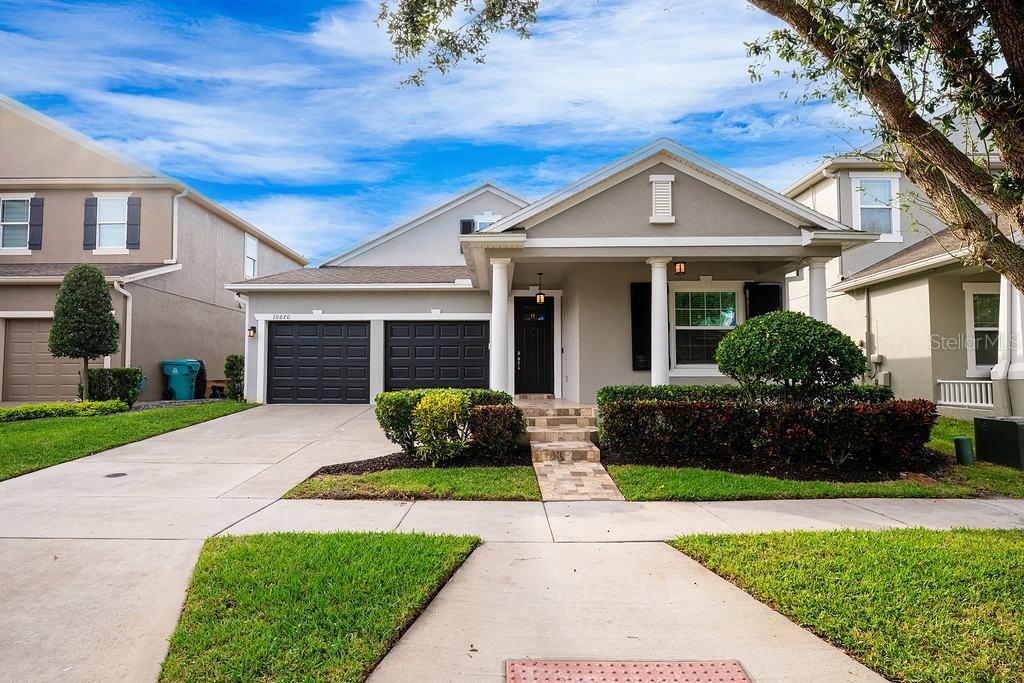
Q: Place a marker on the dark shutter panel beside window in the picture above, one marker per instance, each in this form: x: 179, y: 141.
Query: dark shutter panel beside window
x: 640, y: 323
x: 763, y: 297
x: 89, y: 228
x: 466, y: 226
x: 134, y: 222
x: 35, y: 223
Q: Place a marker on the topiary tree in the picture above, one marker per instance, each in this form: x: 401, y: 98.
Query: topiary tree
x: 83, y: 323
x: 804, y: 355
x: 234, y: 377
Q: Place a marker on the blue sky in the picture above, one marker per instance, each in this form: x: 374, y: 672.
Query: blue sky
x: 290, y: 113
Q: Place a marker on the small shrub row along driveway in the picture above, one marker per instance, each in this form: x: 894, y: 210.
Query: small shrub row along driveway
x: 912, y: 604
x: 31, y: 445
x: 305, y: 606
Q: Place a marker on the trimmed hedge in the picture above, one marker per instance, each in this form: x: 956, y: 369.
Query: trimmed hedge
x: 234, y: 377
x: 110, y: 384
x: 776, y: 436
x: 394, y: 410
x: 850, y: 393
x: 497, y: 430
x: 32, y: 411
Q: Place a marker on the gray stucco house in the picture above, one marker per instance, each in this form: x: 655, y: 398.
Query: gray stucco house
x: 644, y: 265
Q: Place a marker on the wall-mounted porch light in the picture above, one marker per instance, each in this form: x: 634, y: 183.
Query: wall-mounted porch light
x: 252, y: 332
x: 680, y: 267
x: 540, y: 288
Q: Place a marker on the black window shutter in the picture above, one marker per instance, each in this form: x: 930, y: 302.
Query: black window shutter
x: 134, y: 222
x: 35, y: 223
x: 763, y: 297
x: 466, y: 226
x: 89, y: 227
x: 640, y: 323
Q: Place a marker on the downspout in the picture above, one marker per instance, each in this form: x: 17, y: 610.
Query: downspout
x: 174, y: 226
x: 127, y: 322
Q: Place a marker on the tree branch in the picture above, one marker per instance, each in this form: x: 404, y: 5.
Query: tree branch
x: 1008, y: 24
x: 888, y: 98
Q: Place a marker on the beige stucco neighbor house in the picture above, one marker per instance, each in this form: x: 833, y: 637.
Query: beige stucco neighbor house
x: 644, y: 265
x: 166, y: 251
x: 932, y: 327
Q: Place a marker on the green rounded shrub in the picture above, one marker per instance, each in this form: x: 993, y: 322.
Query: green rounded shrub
x: 803, y: 355
x: 441, y: 422
x: 234, y: 377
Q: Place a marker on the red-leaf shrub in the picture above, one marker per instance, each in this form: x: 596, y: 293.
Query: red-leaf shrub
x: 769, y: 437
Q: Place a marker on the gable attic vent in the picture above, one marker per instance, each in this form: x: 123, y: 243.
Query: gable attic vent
x: 661, y: 199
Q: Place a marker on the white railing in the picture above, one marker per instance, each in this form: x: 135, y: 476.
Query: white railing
x: 966, y: 393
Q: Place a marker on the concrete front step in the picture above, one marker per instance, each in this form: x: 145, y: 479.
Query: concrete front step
x: 562, y: 420
x: 563, y: 433
x: 565, y: 451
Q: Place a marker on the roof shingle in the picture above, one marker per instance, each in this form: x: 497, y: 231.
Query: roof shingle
x: 52, y: 270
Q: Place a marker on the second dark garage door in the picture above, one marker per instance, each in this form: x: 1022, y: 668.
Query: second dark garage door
x: 319, y: 362
x: 431, y: 354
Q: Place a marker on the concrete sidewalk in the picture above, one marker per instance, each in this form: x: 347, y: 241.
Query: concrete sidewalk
x: 619, y: 522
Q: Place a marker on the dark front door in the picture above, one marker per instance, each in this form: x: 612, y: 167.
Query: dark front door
x: 535, y: 346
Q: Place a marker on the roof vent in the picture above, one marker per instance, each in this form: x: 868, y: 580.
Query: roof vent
x: 661, y: 199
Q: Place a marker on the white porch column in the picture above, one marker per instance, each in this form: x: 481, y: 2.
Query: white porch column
x: 817, y: 286
x: 659, y: 320
x: 499, y: 324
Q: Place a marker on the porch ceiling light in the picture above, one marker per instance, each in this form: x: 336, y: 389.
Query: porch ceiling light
x: 540, y: 288
x: 680, y: 267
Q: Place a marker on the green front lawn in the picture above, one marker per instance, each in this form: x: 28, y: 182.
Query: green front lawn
x: 31, y: 445
x: 944, y: 431
x: 454, y: 483
x: 647, y: 482
x: 912, y: 604
x: 309, y: 607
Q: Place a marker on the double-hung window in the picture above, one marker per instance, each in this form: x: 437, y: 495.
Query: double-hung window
x: 14, y: 214
x: 700, y: 320
x: 875, y: 205
x: 982, y: 314
x: 112, y: 222
x: 252, y: 249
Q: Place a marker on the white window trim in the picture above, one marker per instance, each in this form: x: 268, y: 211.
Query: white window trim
x: 970, y: 289
x: 707, y: 370
x: 19, y: 251
x: 249, y: 239
x: 855, y: 177
x: 486, y: 217
x: 109, y: 251
x: 660, y: 181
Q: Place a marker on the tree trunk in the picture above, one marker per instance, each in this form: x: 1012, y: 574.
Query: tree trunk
x: 85, y: 379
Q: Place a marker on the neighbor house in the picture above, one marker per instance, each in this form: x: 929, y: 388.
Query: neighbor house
x: 931, y: 326
x: 644, y: 265
x: 166, y: 251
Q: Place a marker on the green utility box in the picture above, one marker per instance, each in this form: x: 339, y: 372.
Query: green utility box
x: 1000, y: 440
x: 181, y: 377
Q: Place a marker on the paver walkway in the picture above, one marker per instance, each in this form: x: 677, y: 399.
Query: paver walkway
x: 93, y: 569
x: 575, y: 481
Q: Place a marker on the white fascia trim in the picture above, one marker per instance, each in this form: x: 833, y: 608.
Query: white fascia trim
x: 930, y: 263
x: 430, y: 213
x: 153, y: 272
x: 692, y: 164
x: 26, y: 314
x: 618, y: 242
x: 461, y: 284
x: 312, y: 317
x: 830, y: 237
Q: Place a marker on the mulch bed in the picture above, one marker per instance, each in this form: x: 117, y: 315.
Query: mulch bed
x: 401, y: 460
x: 929, y: 462
x: 150, y: 405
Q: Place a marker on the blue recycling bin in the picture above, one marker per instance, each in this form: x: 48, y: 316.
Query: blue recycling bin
x: 181, y: 377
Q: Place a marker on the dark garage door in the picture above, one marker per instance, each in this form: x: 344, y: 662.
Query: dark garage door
x: 319, y: 363
x: 427, y: 355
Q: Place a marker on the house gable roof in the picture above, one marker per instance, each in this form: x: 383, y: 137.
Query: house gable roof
x: 687, y: 161
x: 431, y: 212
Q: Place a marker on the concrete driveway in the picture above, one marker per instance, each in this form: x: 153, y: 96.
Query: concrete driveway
x: 96, y: 554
